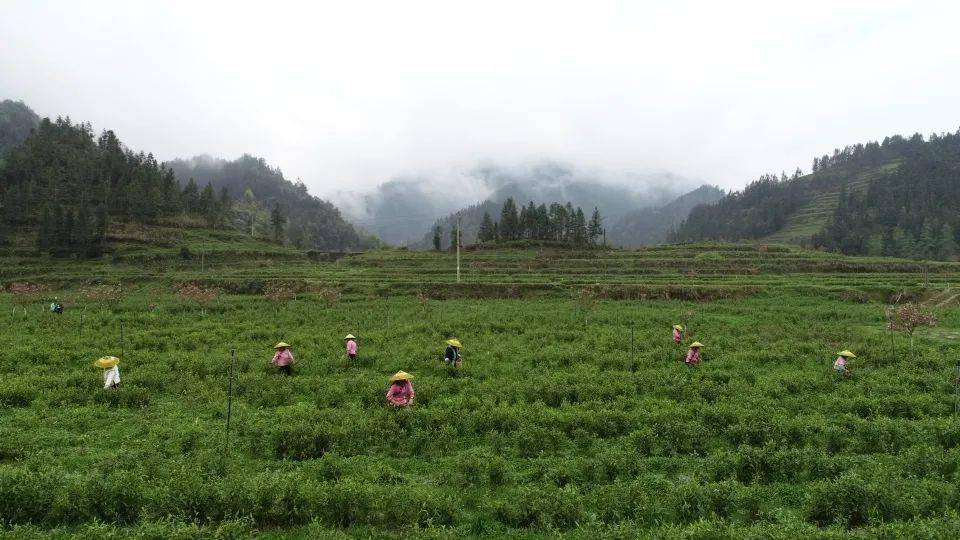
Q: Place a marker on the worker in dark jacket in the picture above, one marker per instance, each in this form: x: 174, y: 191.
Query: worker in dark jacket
x: 452, y: 355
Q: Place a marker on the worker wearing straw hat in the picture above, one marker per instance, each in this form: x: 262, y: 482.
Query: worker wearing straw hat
x: 677, y: 333
x: 351, y: 344
x: 452, y: 355
x: 840, y: 364
x: 400, y: 393
x: 111, y: 373
x: 283, y: 358
x: 693, y: 355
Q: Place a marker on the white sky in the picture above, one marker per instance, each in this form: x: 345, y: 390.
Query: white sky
x: 348, y: 94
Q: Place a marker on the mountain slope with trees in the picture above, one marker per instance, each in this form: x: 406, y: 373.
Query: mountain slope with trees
x: 648, y: 226
x: 67, y: 187
x: 311, y: 222
x: 16, y: 122
x: 899, y: 197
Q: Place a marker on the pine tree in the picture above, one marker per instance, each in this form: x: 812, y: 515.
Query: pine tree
x: 59, y: 237
x: 46, y: 230
x: 100, y: 229
x: 208, y: 205
x: 81, y: 232
x: 453, y: 237
x: 437, y: 237
x: 191, y: 197
x: 277, y: 222
x: 485, y: 234
x: 595, y: 229
x: 509, y: 221
x: 948, y: 243
x: 580, y: 228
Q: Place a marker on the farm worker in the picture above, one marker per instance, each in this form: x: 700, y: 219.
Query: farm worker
x: 452, y: 355
x: 693, y: 355
x: 351, y: 346
x: 111, y: 373
x: 56, y: 307
x: 401, y: 392
x: 840, y: 364
x: 283, y: 358
x: 677, y: 333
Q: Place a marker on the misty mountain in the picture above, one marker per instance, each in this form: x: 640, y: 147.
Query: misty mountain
x: 899, y: 197
x: 16, y: 122
x: 652, y: 225
x: 404, y: 211
x: 313, y: 222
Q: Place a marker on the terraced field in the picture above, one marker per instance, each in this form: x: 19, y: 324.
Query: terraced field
x: 573, y: 415
x: 810, y: 218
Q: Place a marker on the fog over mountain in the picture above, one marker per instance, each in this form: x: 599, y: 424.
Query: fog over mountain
x: 402, y: 209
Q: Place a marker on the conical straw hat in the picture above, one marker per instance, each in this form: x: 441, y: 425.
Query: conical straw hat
x: 350, y: 336
x: 401, y: 376
x: 847, y: 354
x: 678, y: 327
x: 455, y: 343
x: 696, y: 344
x: 281, y: 345
x: 107, y: 362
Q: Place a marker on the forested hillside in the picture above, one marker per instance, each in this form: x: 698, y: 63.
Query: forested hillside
x: 313, y: 222
x: 16, y: 122
x: 900, y: 197
x: 647, y: 226
x: 66, y: 187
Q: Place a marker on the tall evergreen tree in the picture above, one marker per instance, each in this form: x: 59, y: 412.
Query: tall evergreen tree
x: 580, y: 235
x: 437, y: 237
x: 948, y: 243
x: 509, y: 221
x: 191, y: 197
x: 485, y: 234
x: 277, y: 223
x: 45, y: 235
x: 595, y: 228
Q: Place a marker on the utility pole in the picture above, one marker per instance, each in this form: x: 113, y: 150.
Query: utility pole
x: 458, y: 248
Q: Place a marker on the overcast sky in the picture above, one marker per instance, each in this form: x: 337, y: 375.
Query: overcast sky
x: 348, y: 94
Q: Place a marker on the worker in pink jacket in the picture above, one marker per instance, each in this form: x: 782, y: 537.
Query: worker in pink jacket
x: 401, y: 392
x: 351, y: 344
x: 693, y: 355
x: 283, y: 358
x: 677, y: 334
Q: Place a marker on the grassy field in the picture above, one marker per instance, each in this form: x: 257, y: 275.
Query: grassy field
x: 573, y: 413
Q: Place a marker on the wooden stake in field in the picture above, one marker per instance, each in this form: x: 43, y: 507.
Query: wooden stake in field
x: 233, y: 367
x: 121, y: 340
x: 458, y: 249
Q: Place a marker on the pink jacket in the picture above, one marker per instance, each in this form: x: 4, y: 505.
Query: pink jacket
x: 401, y: 393
x: 693, y: 356
x: 840, y: 363
x: 351, y: 347
x: 283, y: 358
x: 677, y: 336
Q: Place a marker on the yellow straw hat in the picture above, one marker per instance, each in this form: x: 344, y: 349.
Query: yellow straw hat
x: 401, y: 376
x: 107, y: 362
x: 678, y: 327
x: 454, y: 343
x: 281, y: 345
x: 696, y: 344
x: 847, y: 354
x: 350, y: 336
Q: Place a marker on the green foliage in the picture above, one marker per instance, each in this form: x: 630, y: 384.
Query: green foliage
x: 555, y: 424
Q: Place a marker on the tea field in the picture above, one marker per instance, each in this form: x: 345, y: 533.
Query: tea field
x: 572, y: 415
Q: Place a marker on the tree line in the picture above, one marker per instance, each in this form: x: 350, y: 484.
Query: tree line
x: 910, y: 208
x: 913, y: 211
x: 70, y: 185
x: 556, y: 222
